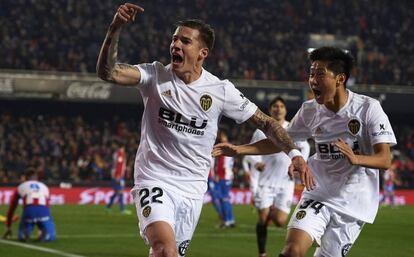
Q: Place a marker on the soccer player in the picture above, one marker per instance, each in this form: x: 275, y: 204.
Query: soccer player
x: 36, y: 212
x: 183, y: 105
x: 118, y: 177
x: 389, y: 186
x: 274, y: 195
x: 224, y: 175
x: 252, y: 166
x: 352, y: 139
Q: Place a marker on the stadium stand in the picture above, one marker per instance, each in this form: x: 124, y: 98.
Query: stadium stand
x: 256, y: 39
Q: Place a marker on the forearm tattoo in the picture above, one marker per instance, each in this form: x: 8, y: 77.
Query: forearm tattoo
x: 273, y: 130
x: 108, y: 55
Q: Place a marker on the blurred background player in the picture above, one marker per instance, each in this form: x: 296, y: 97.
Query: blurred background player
x: 224, y: 181
x: 212, y: 190
x: 252, y: 166
x: 118, y: 173
x: 389, y: 181
x: 36, y: 212
x: 274, y: 196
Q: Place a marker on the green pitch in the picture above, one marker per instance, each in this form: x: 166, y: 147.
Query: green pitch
x: 88, y: 231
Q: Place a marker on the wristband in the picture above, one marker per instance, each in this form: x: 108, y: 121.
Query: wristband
x: 293, y: 153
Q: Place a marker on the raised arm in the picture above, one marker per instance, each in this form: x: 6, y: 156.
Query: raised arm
x: 106, y: 67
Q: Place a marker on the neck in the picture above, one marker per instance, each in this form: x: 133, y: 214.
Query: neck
x: 338, y: 101
x: 191, y: 75
x: 281, y: 121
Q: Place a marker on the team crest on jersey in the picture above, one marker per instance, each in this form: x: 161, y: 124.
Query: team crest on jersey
x: 345, y: 249
x: 182, y: 248
x: 205, y: 102
x: 300, y: 215
x: 146, y: 212
x: 354, y: 126
x: 167, y: 93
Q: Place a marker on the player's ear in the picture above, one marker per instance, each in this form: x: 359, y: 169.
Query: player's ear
x: 340, y: 79
x: 203, y: 53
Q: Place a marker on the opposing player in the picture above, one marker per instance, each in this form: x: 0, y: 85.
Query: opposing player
x: 224, y: 175
x: 118, y: 173
x: 36, y: 212
x: 388, y: 187
x: 352, y: 139
x: 183, y: 104
x: 274, y: 195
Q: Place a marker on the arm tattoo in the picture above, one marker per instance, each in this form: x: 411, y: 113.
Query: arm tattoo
x: 273, y: 130
x: 108, y: 54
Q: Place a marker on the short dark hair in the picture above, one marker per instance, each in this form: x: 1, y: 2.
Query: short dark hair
x: 339, y: 61
x: 276, y: 99
x: 206, y: 31
x: 30, y: 172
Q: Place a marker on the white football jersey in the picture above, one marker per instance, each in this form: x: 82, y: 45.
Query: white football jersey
x: 249, y: 162
x: 361, y: 123
x: 179, y: 127
x: 275, y: 173
x: 33, y: 193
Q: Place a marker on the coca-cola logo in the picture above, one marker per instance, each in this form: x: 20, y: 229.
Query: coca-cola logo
x: 89, y: 91
x: 6, y: 86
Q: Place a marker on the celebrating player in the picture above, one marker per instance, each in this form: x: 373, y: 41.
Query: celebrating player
x: 352, y: 139
x: 183, y: 104
x: 36, y: 212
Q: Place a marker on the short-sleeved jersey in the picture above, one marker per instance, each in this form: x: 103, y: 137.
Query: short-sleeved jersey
x: 118, y: 164
x: 361, y: 123
x: 179, y: 127
x: 275, y: 173
x: 224, y: 167
x: 33, y: 193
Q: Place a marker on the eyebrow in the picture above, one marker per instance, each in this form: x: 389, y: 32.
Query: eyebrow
x: 182, y: 37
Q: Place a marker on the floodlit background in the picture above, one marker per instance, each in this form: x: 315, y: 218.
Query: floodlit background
x: 57, y: 116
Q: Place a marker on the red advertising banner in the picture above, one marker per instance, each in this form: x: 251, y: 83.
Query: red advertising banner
x: 101, y: 195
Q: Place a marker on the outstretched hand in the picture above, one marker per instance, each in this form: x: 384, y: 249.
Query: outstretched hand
x: 299, y: 165
x: 225, y: 149
x: 126, y: 13
x: 347, y: 151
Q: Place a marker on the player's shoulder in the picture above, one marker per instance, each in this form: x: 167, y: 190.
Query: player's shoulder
x: 364, y: 104
x: 155, y: 65
x: 359, y: 99
x: 308, y: 108
x: 211, y: 79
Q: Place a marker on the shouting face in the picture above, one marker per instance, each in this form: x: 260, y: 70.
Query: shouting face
x: 324, y: 83
x: 186, y: 50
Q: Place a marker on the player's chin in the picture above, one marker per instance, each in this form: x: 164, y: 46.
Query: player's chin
x: 176, y: 66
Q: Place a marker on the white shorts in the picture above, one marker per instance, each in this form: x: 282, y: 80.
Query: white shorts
x: 158, y: 204
x: 334, y: 232
x: 279, y: 197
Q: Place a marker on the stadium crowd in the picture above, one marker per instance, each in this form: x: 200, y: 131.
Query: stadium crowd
x: 78, y: 148
x: 63, y: 148
x: 264, y: 39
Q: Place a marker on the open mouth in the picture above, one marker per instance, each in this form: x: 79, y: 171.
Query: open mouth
x: 176, y: 58
x: 316, y: 92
